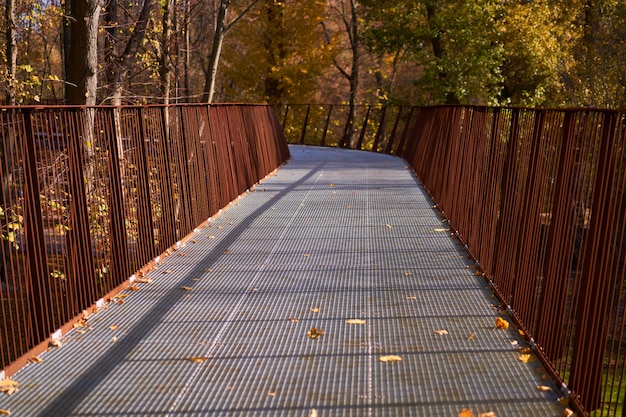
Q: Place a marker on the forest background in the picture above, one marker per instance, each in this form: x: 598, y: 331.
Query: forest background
x: 567, y: 53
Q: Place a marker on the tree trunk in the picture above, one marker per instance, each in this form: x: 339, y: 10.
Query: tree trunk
x: 11, y: 51
x: 274, y: 42
x: 165, y: 70
x: 216, y: 50
x: 439, y: 53
x: 81, y: 63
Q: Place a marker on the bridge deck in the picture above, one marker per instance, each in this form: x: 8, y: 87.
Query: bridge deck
x: 335, y: 235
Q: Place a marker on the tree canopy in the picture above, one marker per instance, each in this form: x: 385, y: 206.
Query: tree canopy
x: 494, y: 52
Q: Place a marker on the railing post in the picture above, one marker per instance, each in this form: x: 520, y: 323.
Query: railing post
x: 405, y: 133
x: 285, y: 116
x: 392, y: 137
x: 37, y: 276
x: 359, y: 144
x: 146, y: 241
x: 119, y: 239
x: 304, y: 126
x: 323, y: 141
x: 381, y: 129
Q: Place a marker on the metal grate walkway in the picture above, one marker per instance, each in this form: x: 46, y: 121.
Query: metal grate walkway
x: 335, y: 235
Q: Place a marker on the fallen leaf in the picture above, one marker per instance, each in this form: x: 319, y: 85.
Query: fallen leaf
x: 564, y: 401
x: 143, y: 280
x: 271, y: 394
x: 55, y: 343
x: 120, y: 302
x: 81, y: 331
x: 208, y: 270
x: 315, y: 310
x: 526, y: 358
x: 390, y: 358
x: 331, y: 185
x: 293, y: 319
x: 119, y: 296
x: 411, y: 297
x: 313, y: 413
x: 113, y: 327
x: 80, y: 323
x: 466, y: 413
x: 501, y: 323
x: 471, y: 336
x: 227, y: 251
x: 182, y: 254
x: 567, y: 413
x: 488, y: 414
x: 192, y: 241
x: 408, y: 274
x: 7, y: 384
x: 4, y: 412
x: 35, y: 359
x: 514, y: 342
x: 197, y: 359
x: 315, y: 333
x: 479, y: 273
x: 388, y: 226
x: 544, y: 388
x: 133, y: 288
x: 306, y: 255
x: 211, y: 237
x: 544, y: 377
x: 441, y: 332
x: 355, y: 321
x: 114, y: 339
x: 184, y: 287
x: 167, y: 271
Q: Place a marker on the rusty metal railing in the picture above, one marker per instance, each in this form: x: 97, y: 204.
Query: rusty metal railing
x: 539, y: 199
x: 92, y: 195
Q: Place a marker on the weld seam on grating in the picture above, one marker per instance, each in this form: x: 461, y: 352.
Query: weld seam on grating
x: 253, y: 282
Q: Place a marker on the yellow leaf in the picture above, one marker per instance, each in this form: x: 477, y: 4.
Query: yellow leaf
x: 501, y: 323
x: 121, y: 296
x: 55, y: 343
x: 331, y: 185
x: 186, y: 288
x: 143, y: 280
x: 543, y: 388
x: 315, y: 333
x: 35, y: 359
x: 315, y: 310
x: 466, y: 413
x: 527, y: 358
x: 197, y: 359
x: 441, y: 332
x: 567, y: 413
x: 293, y: 319
x: 564, y: 401
x: 390, y: 358
x: 408, y: 274
x: 8, y: 383
x: 4, y: 412
x: 355, y: 321
x: 113, y: 327
x: 411, y: 297
x: 488, y: 414
x: 471, y: 336
x: 133, y: 288
x: 313, y: 413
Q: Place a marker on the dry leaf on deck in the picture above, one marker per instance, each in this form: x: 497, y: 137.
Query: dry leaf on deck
x: 471, y: 336
x: 313, y: 413
x: 388, y: 226
x: 197, y: 359
x: 543, y: 388
x: 133, y: 288
x: 184, y: 287
x: 211, y: 237
x: 314, y: 333
x: 4, y: 412
x: 488, y: 414
x: 466, y: 413
x: 567, y: 413
x: 293, y: 319
x: 441, y: 332
x: 113, y: 327
x: 501, y: 323
x: 390, y: 358
x: 331, y: 185
x: 408, y: 274
x: 355, y: 321
x: 526, y: 358
x: 8, y: 386
x: 55, y: 343
x: 35, y: 359
x: 143, y: 280
x: 167, y: 271
x: 411, y: 298
x: 315, y: 310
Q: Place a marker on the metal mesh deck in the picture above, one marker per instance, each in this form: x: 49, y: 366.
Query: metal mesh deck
x: 335, y: 235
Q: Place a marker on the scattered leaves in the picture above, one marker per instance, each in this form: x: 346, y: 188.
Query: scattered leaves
x: 315, y: 310
x: 315, y: 333
x: 355, y: 321
x: 113, y: 327
x: 35, y: 359
x: 390, y: 358
x: 501, y: 323
x: 197, y: 359
x: 544, y: 388
x: 293, y: 319
x: 186, y: 288
x: 441, y: 332
x: 471, y: 336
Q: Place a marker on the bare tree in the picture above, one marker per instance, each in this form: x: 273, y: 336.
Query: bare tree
x: 221, y: 27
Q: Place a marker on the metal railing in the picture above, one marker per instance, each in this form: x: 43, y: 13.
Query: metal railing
x: 539, y: 199
x: 92, y: 195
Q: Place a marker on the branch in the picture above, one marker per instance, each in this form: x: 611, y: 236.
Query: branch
x: 335, y: 62
x: 235, y: 20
